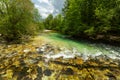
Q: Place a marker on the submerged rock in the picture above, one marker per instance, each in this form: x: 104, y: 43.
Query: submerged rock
x: 39, y: 73
x: 39, y: 70
x: 68, y: 71
x: 62, y: 64
x: 111, y: 76
x: 47, y: 72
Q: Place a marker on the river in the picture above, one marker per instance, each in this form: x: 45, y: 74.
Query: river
x: 52, y: 56
x: 83, y: 47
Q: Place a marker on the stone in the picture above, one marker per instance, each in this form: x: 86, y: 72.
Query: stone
x: 39, y: 75
x: 68, y: 71
x: 47, y: 72
x: 39, y: 70
x: 39, y: 50
x: 26, y: 50
x: 111, y: 76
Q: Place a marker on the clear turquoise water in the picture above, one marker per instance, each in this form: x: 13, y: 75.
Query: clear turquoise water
x: 82, y: 46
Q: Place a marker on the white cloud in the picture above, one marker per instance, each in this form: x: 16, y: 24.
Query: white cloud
x: 47, y: 7
x: 44, y: 11
x: 45, y: 1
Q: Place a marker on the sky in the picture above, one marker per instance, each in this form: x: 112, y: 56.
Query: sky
x: 47, y: 7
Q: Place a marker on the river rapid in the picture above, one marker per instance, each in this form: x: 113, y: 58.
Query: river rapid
x: 81, y: 47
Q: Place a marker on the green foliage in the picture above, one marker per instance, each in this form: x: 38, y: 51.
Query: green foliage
x: 17, y: 18
x: 91, y: 17
x: 90, y: 31
x: 87, y: 18
x: 48, y: 21
x: 54, y: 23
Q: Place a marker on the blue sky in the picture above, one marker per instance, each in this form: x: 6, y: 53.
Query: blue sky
x: 47, y: 7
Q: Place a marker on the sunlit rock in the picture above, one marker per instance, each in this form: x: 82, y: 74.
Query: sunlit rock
x: 26, y: 50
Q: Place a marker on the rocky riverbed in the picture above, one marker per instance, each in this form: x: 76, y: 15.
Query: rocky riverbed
x: 43, y: 61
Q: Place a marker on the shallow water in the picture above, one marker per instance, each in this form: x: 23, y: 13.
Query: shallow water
x: 54, y: 57
x: 83, y: 47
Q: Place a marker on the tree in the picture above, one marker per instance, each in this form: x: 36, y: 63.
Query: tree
x: 58, y: 21
x: 54, y: 23
x: 38, y: 20
x: 72, y: 15
x: 16, y: 19
x: 91, y: 17
x: 48, y: 22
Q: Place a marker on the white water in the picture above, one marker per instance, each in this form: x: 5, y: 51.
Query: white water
x: 71, y: 48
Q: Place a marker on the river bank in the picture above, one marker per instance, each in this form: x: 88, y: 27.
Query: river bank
x: 113, y: 40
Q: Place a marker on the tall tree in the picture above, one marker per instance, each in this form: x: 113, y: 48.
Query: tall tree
x: 48, y: 22
x: 16, y: 19
x: 91, y: 17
